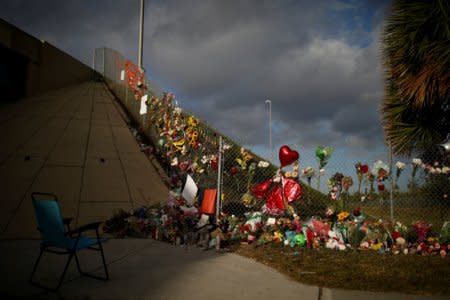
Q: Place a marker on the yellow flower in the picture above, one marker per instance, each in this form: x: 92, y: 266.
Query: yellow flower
x: 432, y: 239
x: 277, y: 236
x: 376, y: 246
x: 342, y: 216
x: 192, y: 121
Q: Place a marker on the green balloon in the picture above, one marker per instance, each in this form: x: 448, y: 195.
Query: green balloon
x: 320, y: 153
x: 300, y: 240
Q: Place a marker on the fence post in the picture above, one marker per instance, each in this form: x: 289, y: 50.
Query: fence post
x: 219, y: 179
x: 93, y: 64
x: 391, y: 196
x: 93, y: 59
x: 103, y: 61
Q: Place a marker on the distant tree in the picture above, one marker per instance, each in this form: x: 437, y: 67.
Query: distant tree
x: 416, y: 53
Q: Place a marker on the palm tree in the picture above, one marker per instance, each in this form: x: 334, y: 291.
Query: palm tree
x: 416, y: 52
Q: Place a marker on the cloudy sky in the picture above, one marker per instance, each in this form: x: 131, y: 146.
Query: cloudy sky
x: 318, y: 61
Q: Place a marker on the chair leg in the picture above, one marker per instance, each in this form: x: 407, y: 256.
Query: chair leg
x: 35, y: 266
x: 65, y: 270
x: 60, y: 279
x: 104, y: 265
x: 103, y: 259
x: 78, y: 264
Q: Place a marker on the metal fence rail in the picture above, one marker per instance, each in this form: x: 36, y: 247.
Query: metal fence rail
x: 405, y: 191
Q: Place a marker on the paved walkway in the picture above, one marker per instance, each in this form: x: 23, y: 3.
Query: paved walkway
x: 73, y: 142
x: 148, y: 269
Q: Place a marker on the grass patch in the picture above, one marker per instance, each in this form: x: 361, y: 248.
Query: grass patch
x: 435, y: 215
x: 356, y: 270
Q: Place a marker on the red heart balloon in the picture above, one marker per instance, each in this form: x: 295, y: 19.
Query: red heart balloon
x: 292, y: 189
x: 274, y: 199
x: 261, y: 189
x: 287, y: 155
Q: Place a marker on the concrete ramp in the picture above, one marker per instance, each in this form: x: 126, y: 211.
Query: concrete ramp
x: 73, y: 142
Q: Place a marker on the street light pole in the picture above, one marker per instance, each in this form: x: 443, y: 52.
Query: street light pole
x: 270, y: 129
x: 141, y: 35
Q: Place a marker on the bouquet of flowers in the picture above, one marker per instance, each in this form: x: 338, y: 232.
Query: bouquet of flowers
x: 308, y: 173
x: 380, y: 171
x: 361, y: 171
x: 400, y: 167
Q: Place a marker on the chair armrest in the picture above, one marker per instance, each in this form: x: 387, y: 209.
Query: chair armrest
x: 67, y: 221
x: 90, y: 226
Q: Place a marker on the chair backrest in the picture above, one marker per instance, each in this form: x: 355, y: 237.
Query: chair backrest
x: 50, y: 220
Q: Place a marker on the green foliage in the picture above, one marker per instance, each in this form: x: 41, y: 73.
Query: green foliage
x: 416, y: 50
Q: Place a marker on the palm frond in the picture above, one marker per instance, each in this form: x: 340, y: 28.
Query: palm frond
x: 409, y: 129
x: 416, y: 50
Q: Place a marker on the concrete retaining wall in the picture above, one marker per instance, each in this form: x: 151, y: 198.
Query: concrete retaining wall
x: 41, y: 66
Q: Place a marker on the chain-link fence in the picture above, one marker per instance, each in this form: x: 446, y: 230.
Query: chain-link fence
x: 385, y: 187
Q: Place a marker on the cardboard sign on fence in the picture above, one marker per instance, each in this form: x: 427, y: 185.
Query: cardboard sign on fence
x: 190, y: 190
x: 143, y: 110
x: 209, y: 202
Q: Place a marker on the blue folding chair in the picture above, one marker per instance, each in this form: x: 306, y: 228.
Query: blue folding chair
x: 60, y: 240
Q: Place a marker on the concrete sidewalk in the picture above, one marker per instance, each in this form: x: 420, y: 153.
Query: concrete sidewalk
x: 148, y: 269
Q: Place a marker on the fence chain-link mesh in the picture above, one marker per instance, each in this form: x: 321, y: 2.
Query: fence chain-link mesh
x: 406, y: 190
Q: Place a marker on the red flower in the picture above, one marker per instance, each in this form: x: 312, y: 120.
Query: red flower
x: 245, y: 228
x: 234, y: 171
x: 422, y: 230
x: 395, y: 235
x: 364, y: 169
x: 382, y: 174
x: 214, y: 164
x: 380, y: 187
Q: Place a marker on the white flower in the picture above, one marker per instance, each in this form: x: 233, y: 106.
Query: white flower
x: 174, y: 162
x: 437, y: 170
x: 445, y: 170
x: 400, y: 165
x: 178, y: 110
x: 378, y: 165
x: 432, y: 170
x: 226, y: 147
x: 308, y: 172
x: 417, y: 161
x: 322, y: 171
x: 263, y: 164
x: 277, y: 178
x: 204, y: 159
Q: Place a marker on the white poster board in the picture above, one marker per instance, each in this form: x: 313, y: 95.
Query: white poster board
x: 190, y: 190
x: 143, y: 110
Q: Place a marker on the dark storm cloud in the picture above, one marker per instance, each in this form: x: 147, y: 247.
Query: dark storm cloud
x: 227, y: 59
x: 318, y: 61
x: 77, y: 27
